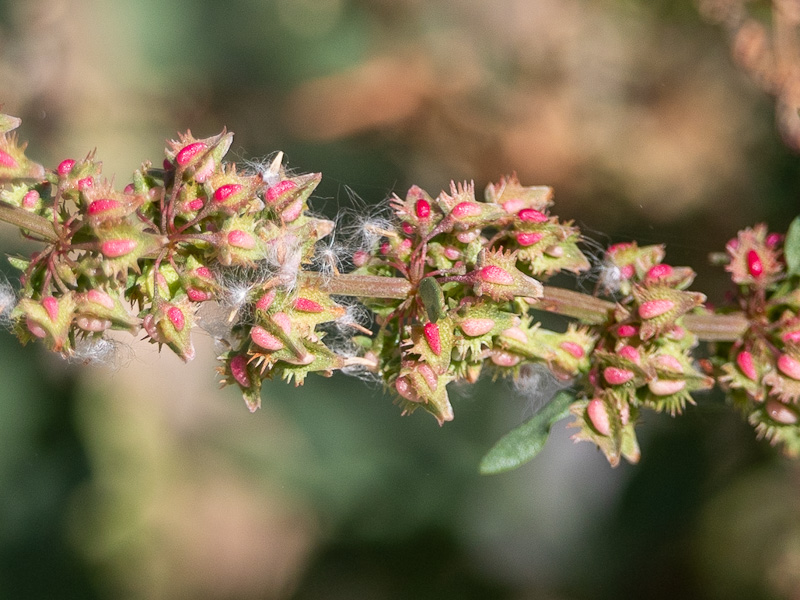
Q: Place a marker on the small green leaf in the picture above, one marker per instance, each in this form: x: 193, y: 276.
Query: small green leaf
x: 19, y: 263
x: 523, y: 443
x: 791, y: 247
x: 432, y: 298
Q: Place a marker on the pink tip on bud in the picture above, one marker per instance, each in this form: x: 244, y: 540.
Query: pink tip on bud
x: 408, y: 228
x: 279, y: 189
x: 629, y: 353
x: 265, y: 339
x: 117, y: 248
x: 238, y: 366
x: 241, y: 239
x: 744, y: 360
x: 656, y: 272
x: 7, y: 161
x: 306, y: 305
x: 617, y: 376
x: 789, y: 366
x: 431, y: 331
x: 598, y: 416
x: 175, y: 316
x: 30, y: 199
x: 792, y: 337
x: 780, y: 413
x: 422, y: 208
x: 655, y: 308
x: 497, y: 275
x: 196, y: 295
x: 666, y: 387
x: 224, y: 192
x: 475, y: 327
x: 576, y: 350
x: 754, y: 264
x: 101, y: 298
x: 188, y: 153
x: 266, y: 300
x: 65, y: 167
x: 102, y: 205
x: 51, y: 306
x: 773, y: 239
x: 532, y: 215
x: 627, y: 330
x: 85, y: 183
x: 464, y: 210
x: 526, y: 238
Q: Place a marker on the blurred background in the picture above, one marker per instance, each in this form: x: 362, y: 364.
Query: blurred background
x: 141, y: 479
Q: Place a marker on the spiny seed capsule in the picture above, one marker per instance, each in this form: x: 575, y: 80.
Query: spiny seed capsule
x: 117, y: 248
x: 744, y: 360
x: 655, y: 308
x: 239, y: 372
x: 598, y: 416
x: 431, y: 331
x: 754, y: 264
x: 175, y: 316
x: 617, y: 376
x: 7, y: 161
x: 495, y: 274
x: 189, y: 152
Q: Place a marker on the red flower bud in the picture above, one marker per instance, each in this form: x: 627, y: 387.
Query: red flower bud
x: 431, y: 331
x: 627, y: 330
x: 102, y: 205
x: 464, y: 210
x: 525, y: 238
x: 657, y: 272
x: 630, y: 353
x: 265, y: 339
x: 65, y: 167
x: 188, y: 153
x: 754, y: 264
x: 306, y: 305
x: 617, y: 376
x: 655, y: 308
x: 791, y: 336
x: 175, y: 315
x: 745, y: 362
x: 668, y: 363
x: 422, y: 208
x: 196, y: 295
x: 495, y: 274
x: 117, y: 248
x: 241, y: 239
x: 532, y: 215
x: 598, y: 416
x: 789, y: 366
x: 666, y: 387
x: 6, y: 160
x: 85, y: 183
x: 781, y: 413
x: 408, y: 228
x: 101, y: 298
x: 280, y: 188
x: 475, y: 327
x: 224, y: 192
x: 576, y: 350
x: 266, y: 300
x: 30, y: 199
x: 239, y: 372
x: 51, y: 306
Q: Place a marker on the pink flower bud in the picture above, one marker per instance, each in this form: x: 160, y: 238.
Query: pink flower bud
x: 791, y: 336
x: 239, y: 372
x: 265, y: 339
x: 422, y: 208
x: 175, y: 315
x: 497, y: 275
x: 35, y: 329
x: 405, y: 245
x: 668, y: 363
x: 517, y: 334
x: 196, y: 295
x: 431, y: 331
x: 666, y: 387
x: 408, y: 228
x: 614, y: 248
x: 598, y: 416
x: 780, y: 413
x: 505, y: 359
x: 279, y: 189
x: 65, y: 167
x: 475, y: 327
x: 514, y: 205
x: 773, y: 239
x: 294, y: 210
x: 189, y: 152
x: 789, y: 366
x: 532, y: 215
x: 204, y: 272
x: 428, y: 375
x: 129, y: 189
x: 627, y: 330
x: 306, y: 305
x: 360, y: 258
x: 404, y: 388
x: 284, y: 321
x: 266, y: 300
x: 657, y: 272
x: 617, y: 376
x: 655, y: 308
x: 754, y: 264
x: 85, y: 183
x: 626, y: 271
x: 629, y: 353
x: 7, y: 161
x: 572, y: 348
x: 526, y: 238
x: 117, y: 248
x: 465, y: 237
x: 744, y: 360
x: 102, y: 205
x: 30, y: 199
x: 464, y: 210
x: 50, y: 304
x: 195, y: 204
x: 101, y: 298
x: 92, y: 324
x: 452, y: 253
x: 554, y: 251
x: 224, y: 192
x: 241, y: 239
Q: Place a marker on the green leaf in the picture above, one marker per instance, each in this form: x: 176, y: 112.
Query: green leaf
x: 523, y: 443
x: 791, y: 247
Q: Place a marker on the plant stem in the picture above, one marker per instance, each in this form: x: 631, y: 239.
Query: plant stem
x: 27, y: 221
